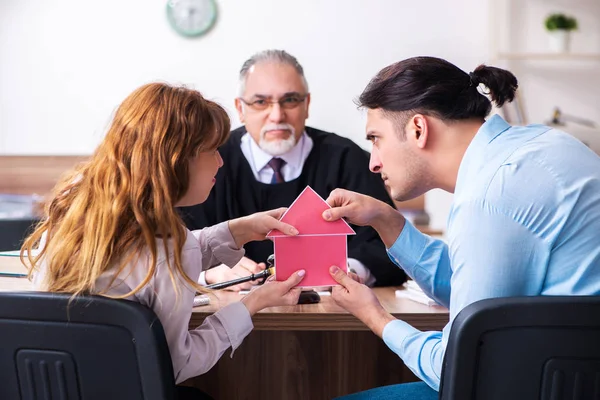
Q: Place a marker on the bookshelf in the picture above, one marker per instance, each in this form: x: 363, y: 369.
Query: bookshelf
x: 517, y: 32
x: 519, y: 42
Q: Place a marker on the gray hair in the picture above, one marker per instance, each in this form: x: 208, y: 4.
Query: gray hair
x: 277, y: 56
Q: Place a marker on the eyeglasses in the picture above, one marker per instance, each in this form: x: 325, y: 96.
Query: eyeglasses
x: 287, y: 102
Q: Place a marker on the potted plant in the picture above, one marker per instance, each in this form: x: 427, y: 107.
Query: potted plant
x: 560, y: 26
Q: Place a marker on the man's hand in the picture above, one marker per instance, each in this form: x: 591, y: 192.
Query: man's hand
x: 256, y: 226
x: 362, y: 210
x: 359, y: 300
x: 245, y: 267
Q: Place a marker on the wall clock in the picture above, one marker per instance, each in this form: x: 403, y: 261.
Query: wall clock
x: 191, y: 18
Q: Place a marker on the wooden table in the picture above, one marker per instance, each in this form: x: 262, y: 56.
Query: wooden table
x: 312, y: 351
x: 326, y: 315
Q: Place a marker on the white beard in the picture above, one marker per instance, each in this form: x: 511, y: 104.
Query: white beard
x: 280, y: 146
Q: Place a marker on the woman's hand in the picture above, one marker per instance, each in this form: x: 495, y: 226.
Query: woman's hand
x: 274, y: 293
x: 256, y: 226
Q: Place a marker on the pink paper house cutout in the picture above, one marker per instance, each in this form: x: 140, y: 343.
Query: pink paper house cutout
x: 319, y: 245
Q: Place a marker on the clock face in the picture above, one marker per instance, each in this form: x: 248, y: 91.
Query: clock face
x: 191, y: 17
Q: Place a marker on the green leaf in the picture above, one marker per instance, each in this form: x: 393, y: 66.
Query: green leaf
x: 560, y: 21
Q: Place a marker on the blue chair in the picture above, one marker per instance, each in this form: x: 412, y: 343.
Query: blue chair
x: 91, y: 347
x: 524, y: 348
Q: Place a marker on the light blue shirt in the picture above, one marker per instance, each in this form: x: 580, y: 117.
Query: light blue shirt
x: 525, y: 221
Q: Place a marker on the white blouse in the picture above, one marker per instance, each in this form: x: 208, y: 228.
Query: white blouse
x: 195, y: 351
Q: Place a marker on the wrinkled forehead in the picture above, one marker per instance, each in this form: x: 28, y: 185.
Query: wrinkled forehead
x: 273, y: 80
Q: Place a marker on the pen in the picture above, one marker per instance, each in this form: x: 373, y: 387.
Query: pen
x: 11, y: 275
x: 260, y: 275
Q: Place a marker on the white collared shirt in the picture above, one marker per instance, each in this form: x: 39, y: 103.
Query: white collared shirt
x: 259, y: 159
x: 193, y: 351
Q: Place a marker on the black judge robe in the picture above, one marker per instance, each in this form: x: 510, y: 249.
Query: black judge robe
x: 334, y: 162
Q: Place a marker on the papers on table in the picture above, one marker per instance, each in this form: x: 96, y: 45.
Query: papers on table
x: 413, y: 292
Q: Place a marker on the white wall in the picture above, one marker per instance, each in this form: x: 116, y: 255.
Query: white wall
x: 571, y: 85
x: 65, y: 65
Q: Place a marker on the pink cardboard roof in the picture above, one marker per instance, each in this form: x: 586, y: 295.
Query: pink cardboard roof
x: 305, y: 214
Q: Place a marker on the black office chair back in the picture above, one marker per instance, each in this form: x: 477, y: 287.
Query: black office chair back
x: 14, y: 231
x: 90, y: 348
x: 542, y: 348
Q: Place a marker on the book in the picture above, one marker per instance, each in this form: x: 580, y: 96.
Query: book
x: 11, y: 266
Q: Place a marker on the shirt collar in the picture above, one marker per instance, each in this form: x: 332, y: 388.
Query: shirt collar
x: 293, y: 157
x: 491, y: 128
x: 489, y: 131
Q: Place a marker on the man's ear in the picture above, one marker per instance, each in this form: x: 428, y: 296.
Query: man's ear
x: 239, y: 106
x: 417, y: 130
x: 307, y: 103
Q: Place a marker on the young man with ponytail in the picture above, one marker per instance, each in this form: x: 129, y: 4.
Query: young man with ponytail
x: 524, y: 220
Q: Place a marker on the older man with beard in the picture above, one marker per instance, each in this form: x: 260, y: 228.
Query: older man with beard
x: 274, y: 156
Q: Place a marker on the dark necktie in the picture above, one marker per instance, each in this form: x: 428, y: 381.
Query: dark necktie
x: 277, y: 164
